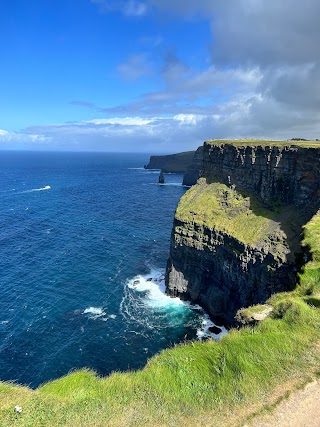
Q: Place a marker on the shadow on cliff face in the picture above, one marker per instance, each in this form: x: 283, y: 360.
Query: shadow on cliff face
x: 283, y: 178
x: 225, y: 265
x: 289, y: 217
x: 229, y: 274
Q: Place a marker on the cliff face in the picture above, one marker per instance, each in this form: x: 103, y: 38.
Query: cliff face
x: 193, y: 172
x: 236, y: 234
x: 174, y: 163
x: 290, y: 174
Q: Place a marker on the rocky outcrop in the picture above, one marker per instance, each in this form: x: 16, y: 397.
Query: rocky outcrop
x: 236, y: 234
x: 193, y: 172
x: 161, y: 177
x: 172, y: 163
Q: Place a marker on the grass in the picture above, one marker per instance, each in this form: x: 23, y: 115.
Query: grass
x: 219, y: 207
x: 187, y: 381
x: 196, y: 383
x: 309, y: 279
x: 264, y: 143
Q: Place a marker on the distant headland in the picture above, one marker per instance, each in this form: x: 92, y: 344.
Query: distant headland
x: 171, y: 163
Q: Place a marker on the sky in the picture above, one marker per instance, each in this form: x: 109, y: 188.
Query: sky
x: 156, y: 76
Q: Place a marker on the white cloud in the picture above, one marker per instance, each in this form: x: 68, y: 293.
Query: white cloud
x: 255, y: 31
x: 127, y: 7
x: 21, y: 140
x: 127, y: 121
x: 259, y: 116
x: 134, y: 8
x: 137, y: 66
x: 263, y: 81
x: 22, y: 137
x: 186, y: 94
x: 264, y: 78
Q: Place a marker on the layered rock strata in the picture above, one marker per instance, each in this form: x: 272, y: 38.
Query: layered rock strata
x: 236, y: 234
x: 279, y: 172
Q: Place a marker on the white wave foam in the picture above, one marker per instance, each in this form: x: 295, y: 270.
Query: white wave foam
x: 47, y: 187
x: 168, y: 184
x: 172, y: 184
x: 204, y: 331
x: 153, y: 285
x: 94, y: 312
x: 4, y: 322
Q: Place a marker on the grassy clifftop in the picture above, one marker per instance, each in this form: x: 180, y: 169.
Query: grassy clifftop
x: 264, y: 143
x: 222, y: 208
x: 208, y: 384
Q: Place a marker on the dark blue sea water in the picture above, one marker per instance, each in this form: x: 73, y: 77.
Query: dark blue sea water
x: 76, y: 230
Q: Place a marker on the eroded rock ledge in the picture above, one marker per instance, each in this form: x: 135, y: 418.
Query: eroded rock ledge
x: 236, y: 233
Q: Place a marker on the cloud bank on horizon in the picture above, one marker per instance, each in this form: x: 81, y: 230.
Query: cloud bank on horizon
x: 186, y: 72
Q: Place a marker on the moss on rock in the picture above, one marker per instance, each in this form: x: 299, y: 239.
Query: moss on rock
x: 222, y: 208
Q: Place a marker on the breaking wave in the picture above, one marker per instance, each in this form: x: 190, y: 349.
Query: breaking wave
x: 145, y: 302
x: 95, y: 313
x: 47, y: 187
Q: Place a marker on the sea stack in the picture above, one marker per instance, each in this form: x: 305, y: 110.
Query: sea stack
x: 161, y: 177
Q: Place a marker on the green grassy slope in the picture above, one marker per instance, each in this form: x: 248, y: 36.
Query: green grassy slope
x: 191, y: 384
x: 219, y: 207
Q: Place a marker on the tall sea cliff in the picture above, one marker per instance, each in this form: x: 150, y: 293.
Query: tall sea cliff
x: 171, y: 163
x: 237, y: 232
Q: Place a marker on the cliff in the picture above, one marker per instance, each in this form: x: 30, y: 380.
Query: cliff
x: 272, y: 171
x: 236, y: 233
x: 193, y: 171
x: 198, y: 383
x: 174, y: 163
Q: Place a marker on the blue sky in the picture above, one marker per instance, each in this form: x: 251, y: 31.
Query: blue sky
x: 156, y: 75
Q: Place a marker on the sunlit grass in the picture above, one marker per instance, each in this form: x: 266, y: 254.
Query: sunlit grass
x: 219, y: 207
x: 196, y: 383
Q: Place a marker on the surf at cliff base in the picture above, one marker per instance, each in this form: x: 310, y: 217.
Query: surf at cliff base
x: 146, y: 302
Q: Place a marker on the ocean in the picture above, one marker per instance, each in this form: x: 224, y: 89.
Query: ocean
x: 84, y: 241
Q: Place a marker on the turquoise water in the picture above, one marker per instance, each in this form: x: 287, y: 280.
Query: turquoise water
x: 76, y: 232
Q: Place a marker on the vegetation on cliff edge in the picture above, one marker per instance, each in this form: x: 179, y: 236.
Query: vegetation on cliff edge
x: 264, y: 143
x: 197, y: 383
x: 220, y: 207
